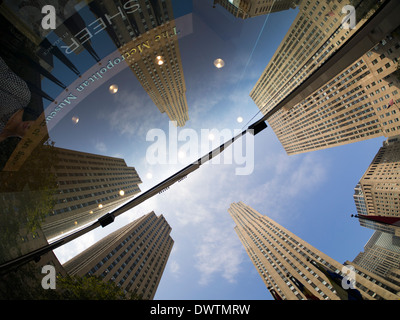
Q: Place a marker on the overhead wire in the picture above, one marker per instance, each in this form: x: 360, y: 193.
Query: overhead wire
x: 251, y: 55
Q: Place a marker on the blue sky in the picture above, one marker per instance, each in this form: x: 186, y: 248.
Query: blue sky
x: 309, y: 194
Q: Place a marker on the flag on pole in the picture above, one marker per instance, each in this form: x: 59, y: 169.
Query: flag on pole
x: 390, y: 103
x: 302, y: 288
x: 336, y: 281
x: 394, y: 221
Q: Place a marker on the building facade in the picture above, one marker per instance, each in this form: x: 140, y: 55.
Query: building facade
x: 381, y: 256
x: 284, y: 260
x: 315, y: 34
x: 381, y: 181
x: 358, y: 104
x: 155, y: 60
x: 251, y: 8
x: 88, y: 186
x: 134, y: 257
x: 359, y: 200
x: 145, y: 33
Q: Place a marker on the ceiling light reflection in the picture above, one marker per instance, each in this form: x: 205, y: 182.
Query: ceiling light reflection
x: 219, y: 63
x: 160, y: 60
x: 113, y: 89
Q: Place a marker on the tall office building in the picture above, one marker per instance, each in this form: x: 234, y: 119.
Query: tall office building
x: 381, y: 182
x: 134, y: 257
x: 314, y: 35
x: 89, y: 186
x: 359, y: 200
x: 357, y: 104
x: 155, y: 60
x: 381, y: 256
x: 286, y: 263
x: 377, y: 193
x: 252, y: 8
x: 145, y: 33
x: 378, y: 223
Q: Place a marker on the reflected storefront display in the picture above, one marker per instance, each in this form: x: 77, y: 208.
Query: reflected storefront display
x: 49, y: 191
x: 82, y: 85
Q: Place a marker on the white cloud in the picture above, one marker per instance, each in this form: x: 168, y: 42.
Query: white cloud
x: 101, y: 146
x: 68, y: 251
x: 133, y: 114
x: 291, y: 178
x: 196, y: 208
x: 174, y: 267
x: 219, y: 252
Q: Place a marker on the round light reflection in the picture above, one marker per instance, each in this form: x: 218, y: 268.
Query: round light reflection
x: 121, y: 192
x: 219, y: 63
x: 113, y: 89
x: 239, y: 119
x: 75, y: 119
x: 160, y: 60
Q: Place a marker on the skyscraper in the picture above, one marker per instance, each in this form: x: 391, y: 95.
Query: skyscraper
x: 251, y: 8
x: 155, y: 60
x: 145, y: 33
x: 359, y: 200
x: 134, y: 257
x: 287, y: 264
x: 314, y: 35
x: 381, y: 256
x: 377, y: 193
x: 381, y: 181
x: 89, y: 186
x: 355, y: 105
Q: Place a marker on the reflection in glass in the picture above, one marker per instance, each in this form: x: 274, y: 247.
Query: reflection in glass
x: 251, y: 8
x: 88, y: 182
x: 48, y: 78
x: 160, y: 60
x: 219, y: 63
x: 148, y: 42
x: 113, y: 89
x: 75, y: 119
